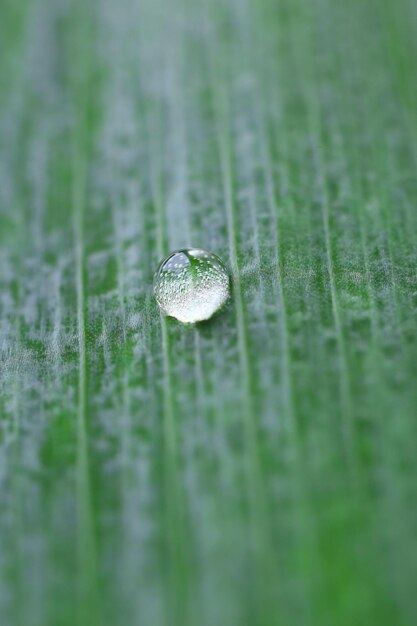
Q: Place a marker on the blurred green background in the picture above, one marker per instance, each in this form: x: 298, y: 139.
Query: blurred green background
x: 258, y: 469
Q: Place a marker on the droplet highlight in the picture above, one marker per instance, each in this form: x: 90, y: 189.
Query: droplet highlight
x: 191, y: 285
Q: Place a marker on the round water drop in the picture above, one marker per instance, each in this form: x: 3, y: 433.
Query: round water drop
x: 191, y: 285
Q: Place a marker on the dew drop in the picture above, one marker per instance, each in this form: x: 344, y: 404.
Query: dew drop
x: 191, y: 285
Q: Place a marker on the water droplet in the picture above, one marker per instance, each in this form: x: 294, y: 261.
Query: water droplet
x: 191, y: 285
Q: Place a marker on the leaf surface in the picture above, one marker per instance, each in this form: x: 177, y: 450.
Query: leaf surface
x: 260, y: 468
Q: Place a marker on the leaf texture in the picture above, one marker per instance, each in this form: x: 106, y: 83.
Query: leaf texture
x: 258, y: 469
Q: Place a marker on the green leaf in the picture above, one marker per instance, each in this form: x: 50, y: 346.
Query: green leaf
x: 258, y: 469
